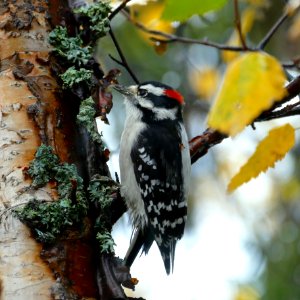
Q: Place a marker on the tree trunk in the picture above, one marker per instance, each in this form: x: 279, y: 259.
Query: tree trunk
x: 33, y: 113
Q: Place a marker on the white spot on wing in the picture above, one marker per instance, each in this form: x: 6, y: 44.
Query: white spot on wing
x: 182, y: 204
x: 155, y: 182
x: 150, y: 206
x: 174, y: 187
x: 158, y: 239
x: 176, y: 222
x: 145, y: 177
x: 141, y: 150
x: 154, y: 222
x: 143, y: 156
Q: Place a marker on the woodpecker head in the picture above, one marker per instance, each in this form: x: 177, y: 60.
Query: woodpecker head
x: 153, y: 100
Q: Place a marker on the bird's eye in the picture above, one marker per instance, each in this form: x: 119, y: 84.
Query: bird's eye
x: 142, y: 92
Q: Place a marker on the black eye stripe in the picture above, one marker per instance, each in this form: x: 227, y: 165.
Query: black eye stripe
x: 142, y: 92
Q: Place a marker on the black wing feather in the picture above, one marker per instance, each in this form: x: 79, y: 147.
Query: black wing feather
x: 157, y: 167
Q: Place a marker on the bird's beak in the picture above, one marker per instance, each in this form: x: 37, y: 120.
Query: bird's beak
x: 124, y: 90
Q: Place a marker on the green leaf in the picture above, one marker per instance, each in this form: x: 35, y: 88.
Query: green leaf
x: 177, y: 10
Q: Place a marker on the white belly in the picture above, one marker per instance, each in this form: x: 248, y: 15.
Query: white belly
x: 130, y: 189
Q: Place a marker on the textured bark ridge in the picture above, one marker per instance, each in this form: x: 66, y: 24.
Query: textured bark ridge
x: 31, y: 114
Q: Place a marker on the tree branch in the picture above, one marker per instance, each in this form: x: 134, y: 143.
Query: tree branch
x: 238, y: 24
x: 164, y: 37
x: 200, y: 144
x: 118, y: 9
x: 173, y: 38
x: 123, y: 59
x: 287, y: 111
x: 293, y: 89
x: 295, y: 63
x: 271, y: 32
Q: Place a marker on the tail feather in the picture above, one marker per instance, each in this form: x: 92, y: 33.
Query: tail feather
x: 142, y: 239
x: 167, y: 252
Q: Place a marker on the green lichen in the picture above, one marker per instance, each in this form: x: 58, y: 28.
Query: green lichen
x: 106, y: 242
x: 73, y: 76
x: 48, y: 220
x: 41, y: 169
x: 86, y: 117
x: 101, y: 190
x: 70, y: 48
x: 97, y: 14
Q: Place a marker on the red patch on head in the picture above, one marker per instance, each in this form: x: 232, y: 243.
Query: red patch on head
x: 174, y: 95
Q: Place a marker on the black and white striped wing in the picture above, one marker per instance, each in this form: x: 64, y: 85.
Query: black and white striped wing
x: 158, y: 169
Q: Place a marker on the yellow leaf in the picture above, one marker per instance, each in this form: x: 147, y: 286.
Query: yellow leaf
x: 247, y: 21
x: 252, y: 83
x: 204, y: 82
x: 150, y: 16
x: 271, y: 149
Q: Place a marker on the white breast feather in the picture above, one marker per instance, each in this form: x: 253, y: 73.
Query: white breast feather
x: 130, y: 189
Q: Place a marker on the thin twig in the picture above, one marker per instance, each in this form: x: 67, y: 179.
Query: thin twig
x: 173, y: 38
x: 282, y: 114
x: 123, y: 59
x: 116, y: 60
x: 238, y: 24
x: 118, y: 9
x: 295, y: 63
x: 293, y: 89
x: 271, y: 32
x: 164, y: 37
x: 291, y: 65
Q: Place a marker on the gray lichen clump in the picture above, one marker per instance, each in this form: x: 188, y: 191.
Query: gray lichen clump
x: 48, y: 220
x: 86, y: 117
x: 101, y: 190
x: 70, y: 48
x: 97, y: 15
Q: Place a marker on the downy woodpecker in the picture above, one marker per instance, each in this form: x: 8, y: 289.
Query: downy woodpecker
x: 155, y: 168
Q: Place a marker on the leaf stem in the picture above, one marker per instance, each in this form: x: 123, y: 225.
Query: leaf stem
x: 238, y: 24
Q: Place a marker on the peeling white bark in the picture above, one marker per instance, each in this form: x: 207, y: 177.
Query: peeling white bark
x: 23, y: 274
